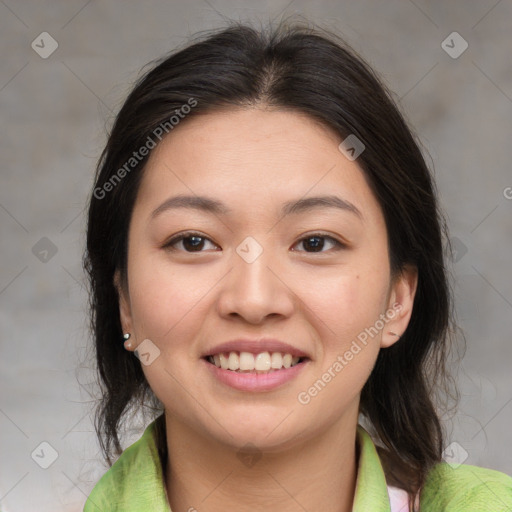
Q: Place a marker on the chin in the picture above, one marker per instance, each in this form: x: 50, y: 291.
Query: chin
x: 263, y: 429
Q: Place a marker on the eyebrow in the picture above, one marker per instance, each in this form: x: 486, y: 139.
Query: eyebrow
x: 209, y: 205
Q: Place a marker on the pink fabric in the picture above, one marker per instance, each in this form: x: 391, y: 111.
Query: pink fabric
x: 398, y: 499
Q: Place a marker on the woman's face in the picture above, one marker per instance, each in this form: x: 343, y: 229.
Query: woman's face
x: 263, y: 261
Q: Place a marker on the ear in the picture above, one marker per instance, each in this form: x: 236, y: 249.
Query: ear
x: 400, y: 305
x: 125, y: 314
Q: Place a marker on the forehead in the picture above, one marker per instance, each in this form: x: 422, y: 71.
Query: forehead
x: 247, y: 157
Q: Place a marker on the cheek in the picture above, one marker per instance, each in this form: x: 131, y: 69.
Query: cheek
x: 347, y: 303
x: 163, y: 299
x: 168, y: 308
x: 347, y: 308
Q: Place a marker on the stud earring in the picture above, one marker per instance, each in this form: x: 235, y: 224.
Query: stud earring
x: 127, y: 343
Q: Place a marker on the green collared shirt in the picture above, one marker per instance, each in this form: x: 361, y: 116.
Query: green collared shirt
x: 135, y: 484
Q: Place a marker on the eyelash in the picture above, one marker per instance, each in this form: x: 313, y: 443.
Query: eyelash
x: 189, y: 234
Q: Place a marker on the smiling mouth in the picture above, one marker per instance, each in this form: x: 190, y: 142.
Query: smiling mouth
x: 246, y: 362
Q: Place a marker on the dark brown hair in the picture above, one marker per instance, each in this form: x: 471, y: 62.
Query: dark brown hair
x: 311, y: 71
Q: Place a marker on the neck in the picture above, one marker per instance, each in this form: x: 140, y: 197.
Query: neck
x: 314, y: 474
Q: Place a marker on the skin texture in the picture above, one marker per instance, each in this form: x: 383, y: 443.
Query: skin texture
x: 254, y: 160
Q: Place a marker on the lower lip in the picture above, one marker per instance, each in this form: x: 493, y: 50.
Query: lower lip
x: 255, y: 381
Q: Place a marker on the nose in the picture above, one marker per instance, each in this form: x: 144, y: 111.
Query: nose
x: 256, y: 291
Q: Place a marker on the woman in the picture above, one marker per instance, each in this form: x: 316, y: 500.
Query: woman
x: 264, y: 235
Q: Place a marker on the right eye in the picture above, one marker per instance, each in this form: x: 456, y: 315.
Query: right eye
x: 190, y: 242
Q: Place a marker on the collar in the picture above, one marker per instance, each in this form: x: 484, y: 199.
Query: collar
x: 135, y: 481
x: 371, y: 487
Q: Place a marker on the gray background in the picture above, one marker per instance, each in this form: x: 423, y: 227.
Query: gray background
x: 54, y: 112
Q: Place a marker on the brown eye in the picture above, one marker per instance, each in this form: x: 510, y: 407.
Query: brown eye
x: 190, y: 242
x: 316, y: 243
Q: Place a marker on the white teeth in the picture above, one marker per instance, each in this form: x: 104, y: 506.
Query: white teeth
x: 224, y: 362
x: 276, y: 360
x: 234, y: 361
x: 246, y: 361
x: 264, y: 362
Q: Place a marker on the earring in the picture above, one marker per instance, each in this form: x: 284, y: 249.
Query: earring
x: 127, y: 344
x: 394, y: 334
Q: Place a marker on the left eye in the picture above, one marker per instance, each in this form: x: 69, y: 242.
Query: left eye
x: 317, y: 242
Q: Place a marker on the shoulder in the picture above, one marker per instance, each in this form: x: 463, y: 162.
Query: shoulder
x: 465, y: 488
x: 134, y: 480
x: 111, y: 485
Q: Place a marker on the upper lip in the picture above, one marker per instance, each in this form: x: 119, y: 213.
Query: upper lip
x: 255, y: 347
